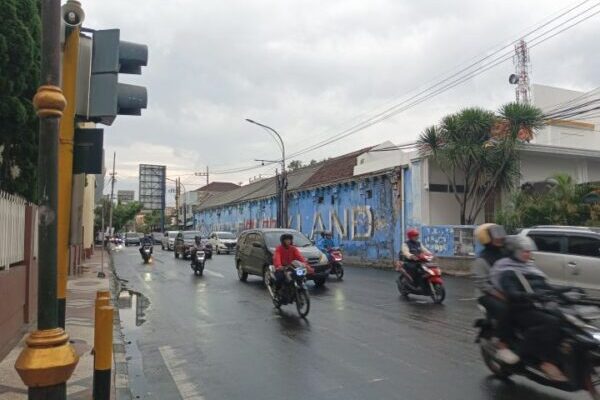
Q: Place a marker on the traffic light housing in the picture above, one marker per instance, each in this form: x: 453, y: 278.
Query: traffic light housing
x: 107, y: 96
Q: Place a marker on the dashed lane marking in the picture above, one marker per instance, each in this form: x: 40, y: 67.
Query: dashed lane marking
x: 212, y: 273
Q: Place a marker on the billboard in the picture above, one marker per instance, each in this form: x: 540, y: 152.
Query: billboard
x: 152, y: 186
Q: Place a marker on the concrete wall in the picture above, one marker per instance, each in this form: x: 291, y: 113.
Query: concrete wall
x: 364, y: 217
x: 18, y: 291
x: 539, y: 167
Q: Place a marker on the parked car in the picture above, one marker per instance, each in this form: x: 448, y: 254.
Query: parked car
x: 569, y: 255
x: 186, y: 240
x: 168, y: 240
x: 255, y: 248
x: 222, y: 242
x: 132, y: 238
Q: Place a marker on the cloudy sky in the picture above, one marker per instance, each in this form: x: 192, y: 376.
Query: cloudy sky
x: 312, y: 68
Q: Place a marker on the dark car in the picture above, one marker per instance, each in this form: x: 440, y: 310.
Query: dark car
x: 255, y: 248
x: 132, y: 238
x: 185, y: 241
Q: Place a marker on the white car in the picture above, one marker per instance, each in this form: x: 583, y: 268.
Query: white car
x: 569, y: 255
x: 223, y: 242
x: 168, y: 240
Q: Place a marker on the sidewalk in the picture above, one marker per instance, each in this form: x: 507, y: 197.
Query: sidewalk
x: 81, y: 295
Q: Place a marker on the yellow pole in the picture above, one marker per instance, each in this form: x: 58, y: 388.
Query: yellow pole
x: 103, y: 341
x: 65, y: 166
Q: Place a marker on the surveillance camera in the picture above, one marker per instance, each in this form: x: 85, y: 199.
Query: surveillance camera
x: 72, y: 14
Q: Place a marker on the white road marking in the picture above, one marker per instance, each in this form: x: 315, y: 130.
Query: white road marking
x: 212, y: 273
x: 177, y: 368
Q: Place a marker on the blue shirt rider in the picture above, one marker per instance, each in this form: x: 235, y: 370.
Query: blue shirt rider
x: 325, y: 243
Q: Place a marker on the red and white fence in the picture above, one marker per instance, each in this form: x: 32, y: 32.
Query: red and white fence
x: 12, y: 230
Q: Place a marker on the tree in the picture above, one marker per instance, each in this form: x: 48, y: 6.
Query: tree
x: 294, y: 165
x: 122, y: 214
x: 20, y: 33
x: 564, y: 202
x: 151, y: 221
x: 477, y: 150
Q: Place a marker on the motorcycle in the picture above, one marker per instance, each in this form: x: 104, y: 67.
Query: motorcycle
x: 198, y: 262
x: 293, y: 289
x: 431, y: 280
x: 579, y: 354
x: 147, y: 254
x: 336, y: 257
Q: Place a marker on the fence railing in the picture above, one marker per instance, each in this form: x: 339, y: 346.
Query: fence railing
x: 12, y: 230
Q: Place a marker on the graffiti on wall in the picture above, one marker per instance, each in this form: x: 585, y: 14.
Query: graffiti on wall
x: 356, y: 223
x: 438, y: 239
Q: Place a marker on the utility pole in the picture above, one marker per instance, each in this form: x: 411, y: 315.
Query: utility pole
x: 65, y: 154
x: 48, y: 360
x: 112, y: 192
x: 177, y: 193
x: 206, y: 174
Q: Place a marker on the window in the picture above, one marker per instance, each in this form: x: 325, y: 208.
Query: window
x: 320, y: 200
x: 369, y: 194
x: 547, y: 243
x: 272, y: 238
x: 252, y: 238
x: 434, y: 187
x: 332, y: 200
x: 584, y: 246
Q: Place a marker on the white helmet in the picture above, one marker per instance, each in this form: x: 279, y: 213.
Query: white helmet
x: 517, y: 244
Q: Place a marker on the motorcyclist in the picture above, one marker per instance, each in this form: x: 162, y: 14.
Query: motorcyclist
x: 411, y: 250
x: 523, y: 284
x: 197, y: 246
x: 325, y: 243
x: 283, y: 257
x: 146, y: 241
x: 491, y: 236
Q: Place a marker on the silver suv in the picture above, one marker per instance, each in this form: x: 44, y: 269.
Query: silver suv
x: 569, y: 255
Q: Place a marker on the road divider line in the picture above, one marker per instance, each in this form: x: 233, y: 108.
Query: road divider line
x: 177, y: 368
x: 212, y: 273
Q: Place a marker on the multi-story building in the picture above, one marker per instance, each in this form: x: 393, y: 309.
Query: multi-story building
x: 125, y: 196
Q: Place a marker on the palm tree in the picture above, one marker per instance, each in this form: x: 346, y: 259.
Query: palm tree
x: 477, y: 151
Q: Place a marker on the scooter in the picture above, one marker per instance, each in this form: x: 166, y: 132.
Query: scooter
x: 198, y: 262
x: 579, y: 351
x: 292, y: 291
x: 431, y: 285
x: 147, y: 254
x: 336, y: 257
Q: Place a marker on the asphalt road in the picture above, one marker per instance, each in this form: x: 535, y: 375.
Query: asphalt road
x: 214, y: 337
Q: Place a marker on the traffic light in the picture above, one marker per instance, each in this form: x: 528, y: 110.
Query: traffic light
x: 107, y: 96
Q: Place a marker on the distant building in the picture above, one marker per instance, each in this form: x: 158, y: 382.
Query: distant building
x: 195, y: 198
x: 125, y: 196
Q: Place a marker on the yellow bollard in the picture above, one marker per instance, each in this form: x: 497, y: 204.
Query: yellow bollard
x: 103, y: 342
x: 103, y: 293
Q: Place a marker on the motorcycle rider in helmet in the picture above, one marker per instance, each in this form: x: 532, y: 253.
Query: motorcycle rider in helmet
x: 411, y: 250
x: 197, y: 246
x: 325, y: 243
x: 491, y: 236
x: 524, y: 284
x: 146, y: 241
x: 283, y: 257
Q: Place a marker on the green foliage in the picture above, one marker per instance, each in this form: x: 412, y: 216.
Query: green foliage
x: 562, y: 204
x: 294, y: 165
x: 151, y: 221
x: 477, y: 150
x: 19, y: 79
x: 122, y: 214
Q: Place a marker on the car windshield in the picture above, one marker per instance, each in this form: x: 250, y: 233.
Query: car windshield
x: 225, y: 235
x: 272, y: 238
x: 132, y: 235
x: 190, y: 235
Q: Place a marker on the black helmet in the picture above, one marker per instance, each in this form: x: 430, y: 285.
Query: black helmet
x: 285, y: 236
x: 326, y: 234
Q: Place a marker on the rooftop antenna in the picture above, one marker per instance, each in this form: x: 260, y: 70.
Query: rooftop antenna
x: 520, y: 78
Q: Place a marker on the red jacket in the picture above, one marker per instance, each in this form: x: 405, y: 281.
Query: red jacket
x: 284, y: 256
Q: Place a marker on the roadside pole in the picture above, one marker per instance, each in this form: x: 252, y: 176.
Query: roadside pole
x: 65, y: 157
x: 48, y: 360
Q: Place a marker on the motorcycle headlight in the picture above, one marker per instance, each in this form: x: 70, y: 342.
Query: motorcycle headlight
x: 323, y: 259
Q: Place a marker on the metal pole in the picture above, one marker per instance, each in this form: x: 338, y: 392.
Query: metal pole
x: 46, y: 375
x: 101, y: 273
x: 283, y: 182
x: 112, y: 192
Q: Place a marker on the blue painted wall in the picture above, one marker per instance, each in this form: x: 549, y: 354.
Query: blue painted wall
x: 364, y: 217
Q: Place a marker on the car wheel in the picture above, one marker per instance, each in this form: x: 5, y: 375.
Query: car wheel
x: 175, y: 253
x: 320, y: 282
x: 242, y: 275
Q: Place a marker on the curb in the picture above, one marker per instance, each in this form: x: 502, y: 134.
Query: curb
x: 460, y: 273
x: 121, y: 379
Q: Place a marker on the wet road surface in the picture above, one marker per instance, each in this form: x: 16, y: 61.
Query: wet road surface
x: 214, y: 337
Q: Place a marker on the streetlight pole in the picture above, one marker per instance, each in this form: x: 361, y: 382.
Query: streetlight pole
x: 48, y: 360
x: 283, y: 181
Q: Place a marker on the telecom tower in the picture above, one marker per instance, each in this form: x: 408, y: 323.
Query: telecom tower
x: 521, y: 77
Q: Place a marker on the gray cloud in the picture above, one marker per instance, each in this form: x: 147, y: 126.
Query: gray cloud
x: 308, y: 67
